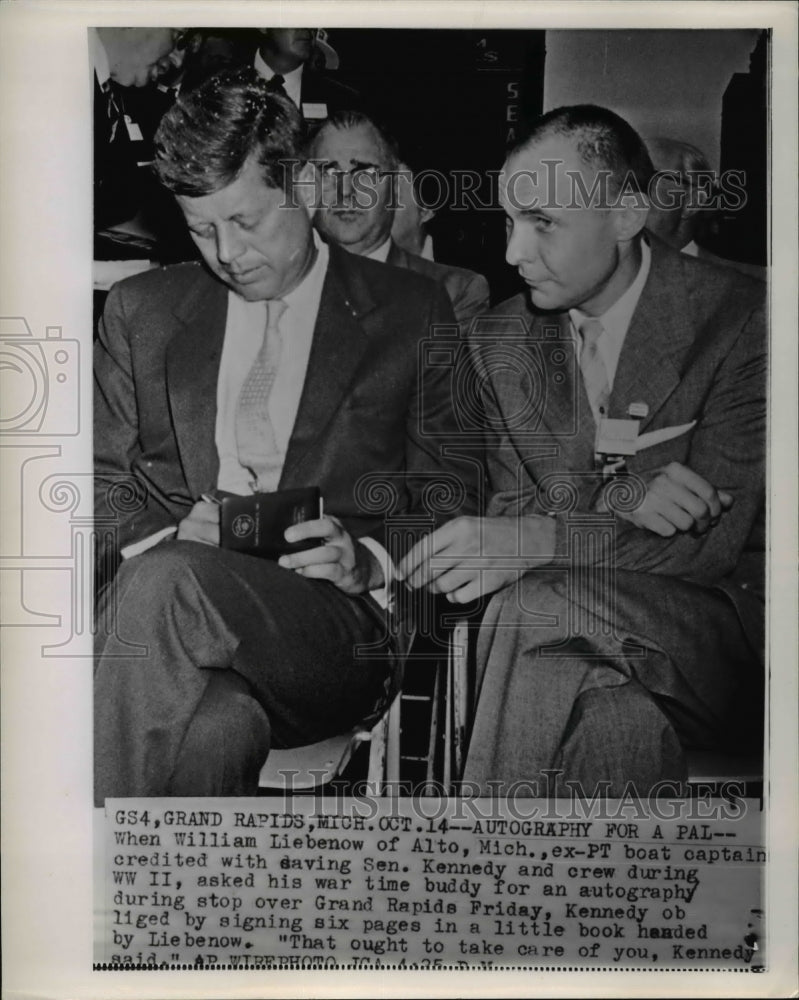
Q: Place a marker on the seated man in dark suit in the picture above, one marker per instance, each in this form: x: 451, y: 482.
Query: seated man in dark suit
x: 276, y: 363
x: 627, y: 618
x: 361, y: 168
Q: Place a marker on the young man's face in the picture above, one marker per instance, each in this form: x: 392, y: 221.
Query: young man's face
x: 250, y: 236
x: 355, y: 193
x: 567, y: 251
x: 291, y: 45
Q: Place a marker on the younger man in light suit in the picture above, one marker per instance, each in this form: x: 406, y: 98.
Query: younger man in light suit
x: 627, y: 617
x: 213, y: 656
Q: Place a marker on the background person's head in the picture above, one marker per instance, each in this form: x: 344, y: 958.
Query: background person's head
x: 681, y: 192
x: 231, y: 153
x: 409, y: 226
x: 357, y: 163
x: 573, y: 188
x: 138, y: 56
x: 284, y: 49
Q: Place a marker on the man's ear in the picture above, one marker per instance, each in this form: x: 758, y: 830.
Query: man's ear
x: 630, y: 215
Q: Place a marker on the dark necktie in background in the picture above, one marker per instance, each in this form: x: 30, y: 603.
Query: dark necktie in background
x: 275, y: 84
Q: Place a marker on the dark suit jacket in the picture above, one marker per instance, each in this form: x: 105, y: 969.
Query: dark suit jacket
x: 467, y: 290
x: 695, y: 350
x: 370, y: 423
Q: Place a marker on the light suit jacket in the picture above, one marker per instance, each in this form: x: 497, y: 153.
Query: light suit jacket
x: 695, y: 351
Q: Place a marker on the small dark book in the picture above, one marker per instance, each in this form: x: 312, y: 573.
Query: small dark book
x: 255, y: 524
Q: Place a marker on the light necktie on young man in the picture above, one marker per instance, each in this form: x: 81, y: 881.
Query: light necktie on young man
x: 595, y: 374
x: 255, y: 436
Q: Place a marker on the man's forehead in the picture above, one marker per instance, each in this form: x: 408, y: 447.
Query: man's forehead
x: 357, y: 143
x: 543, y: 173
x: 249, y: 189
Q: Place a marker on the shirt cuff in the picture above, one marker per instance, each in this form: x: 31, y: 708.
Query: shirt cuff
x: 382, y: 594
x: 136, y: 548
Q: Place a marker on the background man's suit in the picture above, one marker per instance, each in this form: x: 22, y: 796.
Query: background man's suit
x: 695, y: 350
x: 156, y: 369
x: 467, y: 290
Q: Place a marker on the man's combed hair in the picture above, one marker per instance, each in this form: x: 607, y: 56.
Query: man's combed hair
x: 207, y: 136
x: 604, y: 141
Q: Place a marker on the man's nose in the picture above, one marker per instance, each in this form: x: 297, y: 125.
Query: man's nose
x: 229, y: 245
x: 520, y: 247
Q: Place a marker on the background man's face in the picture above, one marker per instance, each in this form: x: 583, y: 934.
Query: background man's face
x: 250, y: 237
x: 291, y: 44
x: 567, y: 255
x: 143, y: 55
x: 353, y: 210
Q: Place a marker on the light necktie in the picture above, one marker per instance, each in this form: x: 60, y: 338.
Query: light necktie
x: 255, y: 435
x: 595, y: 374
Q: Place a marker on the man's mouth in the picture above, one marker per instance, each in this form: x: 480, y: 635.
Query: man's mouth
x: 243, y: 277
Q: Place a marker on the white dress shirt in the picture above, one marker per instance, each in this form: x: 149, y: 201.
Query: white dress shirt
x: 244, y: 334
x: 616, y: 320
x: 381, y: 253
x: 292, y: 81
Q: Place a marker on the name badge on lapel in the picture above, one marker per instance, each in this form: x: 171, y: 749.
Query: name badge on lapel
x: 615, y: 440
x: 314, y: 110
x: 134, y: 132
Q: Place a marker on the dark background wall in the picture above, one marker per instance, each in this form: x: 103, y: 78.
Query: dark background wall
x: 453, y: 99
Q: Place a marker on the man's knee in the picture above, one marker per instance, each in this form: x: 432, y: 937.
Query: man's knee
x: 226, y: 742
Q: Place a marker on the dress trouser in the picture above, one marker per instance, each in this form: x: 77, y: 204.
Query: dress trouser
x: 205, y: 658
x: 607, y: 689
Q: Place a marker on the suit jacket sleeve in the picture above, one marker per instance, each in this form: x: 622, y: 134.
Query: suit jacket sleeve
x: 471, y: 299
x: 727, y: 448
x: 125, y: 510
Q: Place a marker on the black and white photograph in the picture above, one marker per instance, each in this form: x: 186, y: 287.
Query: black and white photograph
x: 404, y: 497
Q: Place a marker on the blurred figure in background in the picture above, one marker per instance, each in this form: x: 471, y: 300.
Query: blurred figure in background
x: 409, y: 229
x: 683, y: 202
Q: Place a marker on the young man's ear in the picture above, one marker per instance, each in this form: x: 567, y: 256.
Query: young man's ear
x: 630, y: 215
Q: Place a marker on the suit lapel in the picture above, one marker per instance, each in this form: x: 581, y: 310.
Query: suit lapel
x: 661, y: 332
x: 192, y: 372
x: 339, y: 342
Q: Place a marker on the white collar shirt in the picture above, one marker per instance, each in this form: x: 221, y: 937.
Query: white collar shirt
x: 616, y: 320
x: 244, y: 332
x: 381, y: 253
